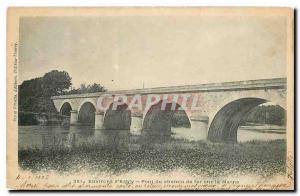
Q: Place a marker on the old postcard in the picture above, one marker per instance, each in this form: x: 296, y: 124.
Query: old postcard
x: 153, y: 98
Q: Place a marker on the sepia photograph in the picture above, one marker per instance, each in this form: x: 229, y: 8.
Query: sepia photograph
x: 155, y: 98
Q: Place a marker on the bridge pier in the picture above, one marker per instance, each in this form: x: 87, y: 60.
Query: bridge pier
x: 136, y: 124
x: 99, y: 119
x: 74, y: 117
x: 199, y: 125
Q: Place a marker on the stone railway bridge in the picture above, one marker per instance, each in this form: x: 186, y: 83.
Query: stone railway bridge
x: 220, y: 109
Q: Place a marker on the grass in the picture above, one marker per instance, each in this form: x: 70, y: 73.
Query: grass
x: 205, y: 158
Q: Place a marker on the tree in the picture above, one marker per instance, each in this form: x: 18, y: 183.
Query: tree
x: 29, y: 93
x: 35, y: 94
x: 55, y: 83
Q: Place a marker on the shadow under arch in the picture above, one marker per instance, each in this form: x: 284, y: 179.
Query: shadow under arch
x: 117, y: 119
x: 225, y: 123
x: 66, y: 109
x: 86, y: 115
x: 158, y: 121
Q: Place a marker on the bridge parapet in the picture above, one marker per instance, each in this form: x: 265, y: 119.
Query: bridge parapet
x: 276, y: 83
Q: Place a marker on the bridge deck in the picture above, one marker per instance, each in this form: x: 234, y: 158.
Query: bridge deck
x: 224, y: 86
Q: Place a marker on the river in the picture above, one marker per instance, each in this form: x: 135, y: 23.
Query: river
x: 42, y: 137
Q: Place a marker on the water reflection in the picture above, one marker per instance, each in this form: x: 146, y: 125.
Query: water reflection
x: 56, y: 137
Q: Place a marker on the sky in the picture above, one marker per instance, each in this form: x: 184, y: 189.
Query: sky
x: 130, y: 52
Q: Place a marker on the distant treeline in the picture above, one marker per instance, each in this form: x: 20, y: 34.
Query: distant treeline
x: 267, y: 114
x: 35, y: 94
x: 90, y: 88
x: 180, y: 119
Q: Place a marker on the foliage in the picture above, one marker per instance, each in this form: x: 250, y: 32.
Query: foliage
x: 267, y: 114
x: 27, y: 119
x: 35, y: 94
x: 55, y: 83
x: 93, y: 88
x: 180, y: 119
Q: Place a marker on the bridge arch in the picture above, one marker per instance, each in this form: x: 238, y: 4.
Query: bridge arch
x: 159, y: 122
x: 86, y: 114
x: 65, y: 103
x: 228, y: 117
x: 118, y: 118
x: 87, y: 100
x: 65, y: 109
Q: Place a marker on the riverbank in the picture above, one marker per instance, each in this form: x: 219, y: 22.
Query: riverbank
x: 264, y: 128
x: 263, y: 158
